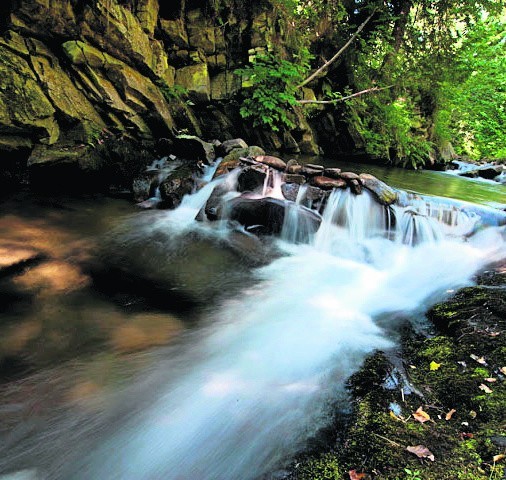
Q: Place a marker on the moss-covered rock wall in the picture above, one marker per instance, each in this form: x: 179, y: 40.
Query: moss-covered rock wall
x: 74, y: 73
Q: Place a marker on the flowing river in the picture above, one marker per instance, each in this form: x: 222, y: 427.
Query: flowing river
x: 249, y: 374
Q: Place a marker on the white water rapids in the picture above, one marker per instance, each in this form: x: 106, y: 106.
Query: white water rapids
x: 257, y: 384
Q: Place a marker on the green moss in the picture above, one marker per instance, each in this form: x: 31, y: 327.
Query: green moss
x: 324, y: 467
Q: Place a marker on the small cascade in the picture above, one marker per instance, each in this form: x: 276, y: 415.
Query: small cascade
x: 355, y: 217
x: 296, y: 227
x: 255, y: 383
x: 210, y: 170
x: 272, y: 184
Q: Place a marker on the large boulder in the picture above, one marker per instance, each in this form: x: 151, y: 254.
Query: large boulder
x: 177, y: 184
x: 385, y: 194
x: 490, y: 171
x: 267, y: 215
x: 251, y: 178
x: 194, y: 148
x: 227, y: 146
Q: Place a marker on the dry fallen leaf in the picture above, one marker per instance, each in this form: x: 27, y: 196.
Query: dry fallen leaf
x: 480, y: 360
x: 466, y: 436
x: 498, y: 458
x: 356, y: 476
x: 485, y: 388
x: 421, y: 416
x: 503, y: 370
x: 450, y: 414
x: 434, y: 366
x: 421, y: 451
x: 490, y: 380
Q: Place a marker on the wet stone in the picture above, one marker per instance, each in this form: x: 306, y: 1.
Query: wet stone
x: 332, y: 172
x: 251, y: 178
x: 270, y: 161
x: 315, y: 167
x: 355, y: 186
x: 293, y: 178
x: 290, y: 191
x: 293, y: 167
x: 348, y: 176
x: 327, y: 183
x: 311, y: 172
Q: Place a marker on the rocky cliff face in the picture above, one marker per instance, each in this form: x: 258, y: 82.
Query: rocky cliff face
x: 78, y: 77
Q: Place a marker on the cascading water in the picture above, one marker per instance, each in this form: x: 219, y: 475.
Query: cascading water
x: 254, y: 387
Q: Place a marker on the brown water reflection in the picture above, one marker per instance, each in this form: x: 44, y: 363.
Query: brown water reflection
x: 54, y: 328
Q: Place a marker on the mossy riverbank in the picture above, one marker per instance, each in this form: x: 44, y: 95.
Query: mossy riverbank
x: 455, y: 378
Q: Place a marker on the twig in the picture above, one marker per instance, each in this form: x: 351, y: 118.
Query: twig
x: 347, y: 97
x: 339, y: 53
x: 389, y: 441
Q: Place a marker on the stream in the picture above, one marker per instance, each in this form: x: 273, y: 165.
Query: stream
x: 224, y: 355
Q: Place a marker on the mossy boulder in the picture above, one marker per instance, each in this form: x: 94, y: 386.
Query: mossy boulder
x: 384, y: 194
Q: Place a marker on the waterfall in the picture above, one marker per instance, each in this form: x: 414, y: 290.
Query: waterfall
x: 253, y: 386
x: 297, y: 228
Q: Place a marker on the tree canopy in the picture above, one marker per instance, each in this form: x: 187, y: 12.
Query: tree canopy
x: 423, y: 80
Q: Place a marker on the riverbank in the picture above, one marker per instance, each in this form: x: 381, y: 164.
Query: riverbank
x: 434, y: 408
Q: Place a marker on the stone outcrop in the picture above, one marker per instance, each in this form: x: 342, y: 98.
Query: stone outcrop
x: 75, y: 74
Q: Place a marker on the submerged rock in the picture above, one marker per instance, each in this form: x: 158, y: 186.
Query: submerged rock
x: 14, y: 257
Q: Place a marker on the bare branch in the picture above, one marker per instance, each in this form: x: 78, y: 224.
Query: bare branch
x: 342, y: 99
x: 338, y: 54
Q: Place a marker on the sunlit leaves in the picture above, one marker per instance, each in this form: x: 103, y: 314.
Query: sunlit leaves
x: 271, y: 94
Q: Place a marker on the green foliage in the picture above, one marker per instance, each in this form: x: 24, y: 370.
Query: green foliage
x: 391, y: 128
x: 412, y: 474
x: 474, y: 106
x: 171, y: 94
x: 271, y: 85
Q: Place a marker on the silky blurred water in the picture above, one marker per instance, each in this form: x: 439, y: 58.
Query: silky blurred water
x: 238, y: 382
